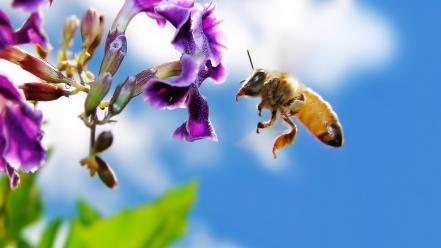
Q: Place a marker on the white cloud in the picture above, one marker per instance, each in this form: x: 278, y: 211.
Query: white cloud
x: 261, y: 145
x: 320, y: 41
x: 199, y: 236
x: 134, y: 150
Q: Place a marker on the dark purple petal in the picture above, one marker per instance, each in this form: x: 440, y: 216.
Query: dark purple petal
x: 29, y: 5
x: 198, y: 126
x: 197, y: 30
x: 165, y: 96
x: 171, y: 94
x: 6, y: 31
x: 20, y: 134
x: 146, y: 5
x: 176, y: 14
x: 216, y: 38
x: 8, y: 91
x: 218, y: 74
x: 2, y: 148
x: 32, y: 32
x: 201, y: 42
x: 22, y: 129
x: 14, y: 179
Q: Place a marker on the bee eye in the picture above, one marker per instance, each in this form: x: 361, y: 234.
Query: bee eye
x: 258, y: 77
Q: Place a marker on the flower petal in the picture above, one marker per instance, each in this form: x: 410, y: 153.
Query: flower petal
x: 165, y: 96
x: 216, y: 38
x: 32, y: 32
x: 176, y: 13
x: 198, y: 126
x: 13, y: 176
x: 218, y: 74
x: 146, y: 5
x: 23, y: 136
x: 171, y: 94
x: 8, y: 91
x: 6, y: 31
x: 29, y: 5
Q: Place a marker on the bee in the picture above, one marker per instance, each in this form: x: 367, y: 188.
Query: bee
x: 286, y: 97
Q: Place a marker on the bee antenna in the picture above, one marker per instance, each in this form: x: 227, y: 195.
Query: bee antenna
x: 251, y: 61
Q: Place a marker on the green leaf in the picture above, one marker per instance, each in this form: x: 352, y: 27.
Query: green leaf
x: 87, y: 214
x: 24, y: 206
x: 49, y: 235
x: 154, y: 225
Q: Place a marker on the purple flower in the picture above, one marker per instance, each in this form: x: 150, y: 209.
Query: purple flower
x: 201, y: 43
x: 29, y: 5
x: 129, y: 10
x: 20, y: 134
x: 30, y: 32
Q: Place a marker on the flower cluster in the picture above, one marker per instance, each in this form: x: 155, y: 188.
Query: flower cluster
x: 20, y: 125
x: 169, y: 85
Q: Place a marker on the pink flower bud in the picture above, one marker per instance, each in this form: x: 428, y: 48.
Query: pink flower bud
x: 70, y: 27
x: 42, y: 92
x: 92, y: 29
x: 34, y: 65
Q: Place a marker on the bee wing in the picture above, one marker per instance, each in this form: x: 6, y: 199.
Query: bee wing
x: 319, y: 118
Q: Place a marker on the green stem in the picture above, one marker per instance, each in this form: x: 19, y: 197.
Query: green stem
x: 92, y: 134
x: 3, y: 208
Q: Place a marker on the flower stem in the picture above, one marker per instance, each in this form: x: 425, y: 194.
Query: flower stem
x: 169, y: 69
x: 92, y: 133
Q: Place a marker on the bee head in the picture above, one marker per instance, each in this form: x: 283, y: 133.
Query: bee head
x: 253, y: 84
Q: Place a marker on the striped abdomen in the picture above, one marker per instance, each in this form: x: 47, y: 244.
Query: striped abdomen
x: 318, y: 116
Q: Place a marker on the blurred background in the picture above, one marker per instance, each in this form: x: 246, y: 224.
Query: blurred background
x: 376, y: 62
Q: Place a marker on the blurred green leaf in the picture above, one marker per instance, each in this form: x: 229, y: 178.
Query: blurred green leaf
x: 49, y: 235
x: 86, y: 213
x: 23, y: 244
x: 24, y: 206
x: 154, y: 226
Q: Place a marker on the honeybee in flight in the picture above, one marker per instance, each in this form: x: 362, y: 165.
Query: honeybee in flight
x: 286, y: 97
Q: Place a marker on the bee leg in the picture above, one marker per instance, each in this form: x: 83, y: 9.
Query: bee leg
x: 286, y: 138
x: 260, y: 108
x: 265, y: 124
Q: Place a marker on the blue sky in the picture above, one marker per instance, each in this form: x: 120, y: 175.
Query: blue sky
x: 380, y: 190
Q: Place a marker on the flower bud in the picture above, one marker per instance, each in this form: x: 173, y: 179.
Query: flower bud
x: 92, y: 29
x: 97, y: 92
x: 114, y: 54
x: 34, y: 65
x: 70, y: 27
x: 106, y: 173
x: 142, y: 79
x: 122, y: 96
x: 42, y: 92
x: 41, y: 51
x: 104, y: 141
